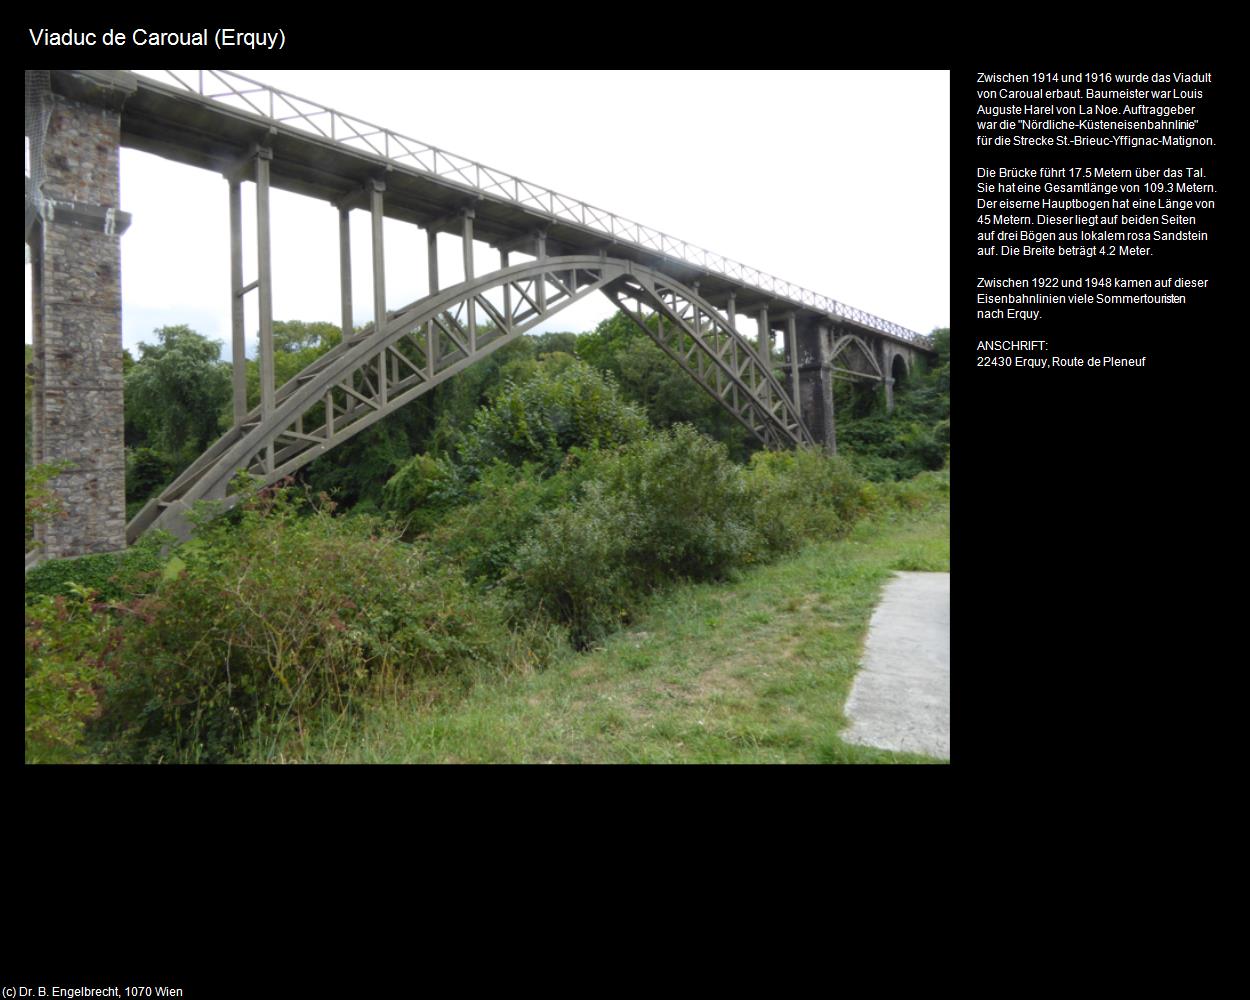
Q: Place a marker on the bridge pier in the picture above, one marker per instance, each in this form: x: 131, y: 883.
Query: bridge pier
x: 815, y: 382
x: 75, y: 241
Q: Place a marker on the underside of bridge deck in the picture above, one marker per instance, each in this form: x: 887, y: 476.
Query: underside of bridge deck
x: 686, y: 299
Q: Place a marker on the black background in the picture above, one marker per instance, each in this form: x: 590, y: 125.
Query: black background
x: 1078, y: 533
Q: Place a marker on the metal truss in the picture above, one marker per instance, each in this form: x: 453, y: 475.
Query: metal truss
x: 692, y: 333
x: 373, y: 374
x: 309, y: 117
x: 860, y: 361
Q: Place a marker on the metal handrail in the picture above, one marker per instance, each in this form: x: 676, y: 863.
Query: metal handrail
x: 254, y: 97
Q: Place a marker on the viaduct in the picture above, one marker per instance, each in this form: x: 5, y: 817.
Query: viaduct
x: 687, y: 299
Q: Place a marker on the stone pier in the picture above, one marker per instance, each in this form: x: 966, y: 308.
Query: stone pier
x: 75, y: 246
x: 816, y: 383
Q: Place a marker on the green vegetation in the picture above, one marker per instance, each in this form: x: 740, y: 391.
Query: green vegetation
x: 42, y: 504
x: 754, y: 670
x: 176, y: 392
x: 478, y: 552
x: 278, y: 619
x: 915, y: 437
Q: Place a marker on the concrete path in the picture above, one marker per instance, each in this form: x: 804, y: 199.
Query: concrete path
x: 901, y: 699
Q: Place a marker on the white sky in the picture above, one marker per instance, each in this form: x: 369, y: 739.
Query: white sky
x: 838, y: 181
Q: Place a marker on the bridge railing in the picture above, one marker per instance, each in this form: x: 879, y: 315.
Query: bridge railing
x: 242, y: 93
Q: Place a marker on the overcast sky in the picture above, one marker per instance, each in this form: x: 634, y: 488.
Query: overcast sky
x: 838, y: 181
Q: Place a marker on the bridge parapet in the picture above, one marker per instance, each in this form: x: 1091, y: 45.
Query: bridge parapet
x: 253, y: 97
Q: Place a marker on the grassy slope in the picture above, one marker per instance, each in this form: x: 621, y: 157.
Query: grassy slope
x: 751, y: 671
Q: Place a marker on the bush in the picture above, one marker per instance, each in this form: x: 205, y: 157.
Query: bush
x: 669, y: 507
x: 925, y: 491
x: 111, y: 575
x: 422, y: 491
x: 804, y: 494
x: 540, y: 420
x: 147, y: 473
x: 70, y: 649
x: 278, y: 618
x: 691, y: 502
x: 505, y: 506
x: 576, y: 567
x: 42, y: 504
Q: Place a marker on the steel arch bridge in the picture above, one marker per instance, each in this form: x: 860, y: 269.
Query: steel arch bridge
x: 686, y: 298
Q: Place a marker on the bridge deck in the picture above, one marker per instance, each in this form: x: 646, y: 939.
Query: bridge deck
x: 178, y: 124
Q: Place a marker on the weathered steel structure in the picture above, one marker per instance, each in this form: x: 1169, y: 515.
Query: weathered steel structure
x: 687, y: 299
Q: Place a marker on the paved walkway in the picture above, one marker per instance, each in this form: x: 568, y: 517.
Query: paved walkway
x: 901, y: 699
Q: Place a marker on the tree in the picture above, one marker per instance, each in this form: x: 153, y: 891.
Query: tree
x: 296, y: 345
x: 176, y: 391
x: 648, y: 376
x: 560, y: 406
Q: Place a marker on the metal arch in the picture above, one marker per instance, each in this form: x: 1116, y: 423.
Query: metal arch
x: 853, y: 340
x: 370, y: 376
x: 694, y: 334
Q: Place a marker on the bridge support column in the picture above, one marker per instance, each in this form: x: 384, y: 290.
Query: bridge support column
x: 238, y: 337
x: 792, y: 349
x: 507, y: 294
x: 75, y: 240
x: 431, y: 337
x: 765, y: 342
x: 888, y: 382
x: 540, y: 251
x: 345, y: 271
x: 376, y: 190
x: 815, y: 384
x: 471, y: 310
x: 264, y: 289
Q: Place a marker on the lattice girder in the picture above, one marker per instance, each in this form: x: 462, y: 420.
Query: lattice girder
x: 694, y: 334
x: 369, y: 376
x: 853, y: 347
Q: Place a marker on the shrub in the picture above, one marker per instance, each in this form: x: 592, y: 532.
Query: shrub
x: 691, y: 502
x: 42, y: 504
x: 70, y: 648
x: 575, y: 569
x: 804, y: 494
x: 920, y: 493
x: 667, y: 507
x: 422, y: 491
x: 111, y: 575
x: 279, y: 618
x: 147, y: 473
x: 505, y: 506
x: 560, y: 407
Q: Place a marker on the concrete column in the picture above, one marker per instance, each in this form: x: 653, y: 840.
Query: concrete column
x: 469, y: 215
x: 765, y: 344
x: 76, y: 258
x: 792, y: 349
x: 507, y: 294
x: 698, y: 321
x: 376, y: 190
x: 264, y: 285
x: 731, y: 312
x: 431, y: 335
x: 345, y: 271
x: 379, y: 280
x: 540, y: 251
x: 815, y: 374
x: 889, y: 394
x: 238, y: 342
